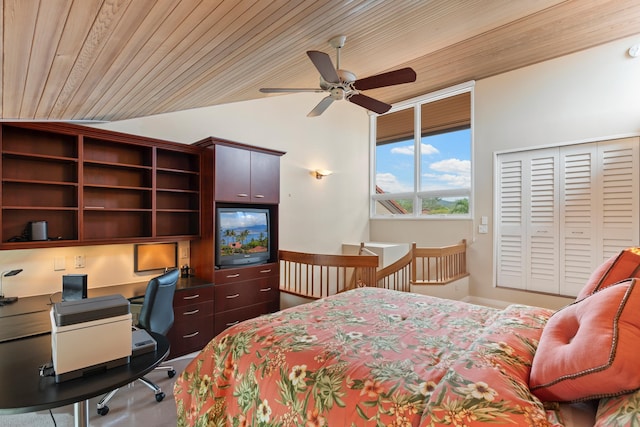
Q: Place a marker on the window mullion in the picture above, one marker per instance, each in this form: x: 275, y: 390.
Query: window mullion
x: 417, y: 131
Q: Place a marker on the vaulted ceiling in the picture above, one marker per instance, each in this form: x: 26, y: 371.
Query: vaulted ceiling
x: 119, y: 59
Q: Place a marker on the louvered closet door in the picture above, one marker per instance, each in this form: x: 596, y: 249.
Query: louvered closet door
x: 527, y: 255
x: 618, y: 164
x: 511, y: 249
x: 563, y: 211
x: 543, y: 224
x: 579, y: 216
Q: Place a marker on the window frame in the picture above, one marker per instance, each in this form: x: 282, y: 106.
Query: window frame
x: 416, y: 195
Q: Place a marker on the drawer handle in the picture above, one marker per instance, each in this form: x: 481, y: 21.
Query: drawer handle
x: 242, y: 195
x: 231, y: 276
x: 192, y: 296
x: 265, y: 271
x: 232, y: 296
x: 191, y: 335
x: 259, y: 196
x: 265, y: 289
x: 233, y: 323
x: 189, y: 313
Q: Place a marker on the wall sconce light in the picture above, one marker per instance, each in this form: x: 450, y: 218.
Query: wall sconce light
x: 8, y: 300
x: 321, y: 173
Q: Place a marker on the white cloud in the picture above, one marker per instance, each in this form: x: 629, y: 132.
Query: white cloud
x: 390, y: 184
x: 451, y: 165
x: 428, y: 149
x: 453, y: 173
x: 406, y: 150
x: 448, y: 181
x: 425, y: 149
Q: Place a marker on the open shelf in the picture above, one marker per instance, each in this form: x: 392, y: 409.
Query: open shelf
x: 93, y: 185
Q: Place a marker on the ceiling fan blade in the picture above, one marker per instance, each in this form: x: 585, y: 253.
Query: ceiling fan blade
x: 403, y: 75
x: 323, y: 63
x: 370, y: 103
x: 322, y: 105
x: 279, y: 90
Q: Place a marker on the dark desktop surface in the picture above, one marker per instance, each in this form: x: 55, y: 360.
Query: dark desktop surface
x: 29, y: 316
x: 24, y: 390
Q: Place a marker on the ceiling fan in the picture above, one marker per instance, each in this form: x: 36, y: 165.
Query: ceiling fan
x: 342, y: 84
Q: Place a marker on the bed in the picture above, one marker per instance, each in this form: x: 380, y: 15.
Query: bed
x: 385, y: 358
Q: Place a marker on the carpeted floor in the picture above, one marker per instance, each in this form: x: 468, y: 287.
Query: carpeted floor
x: 134, y: 405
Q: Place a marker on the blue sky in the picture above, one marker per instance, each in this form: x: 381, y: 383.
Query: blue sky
x: 242, y: 219
x: 446, y: 163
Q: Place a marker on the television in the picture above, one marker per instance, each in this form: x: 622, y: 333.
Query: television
x: 155, y: 256
x: 242, y: 236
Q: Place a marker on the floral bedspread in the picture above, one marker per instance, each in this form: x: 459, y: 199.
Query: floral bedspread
x: 369, y: 357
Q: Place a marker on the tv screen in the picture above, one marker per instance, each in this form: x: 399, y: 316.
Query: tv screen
x: 242, y: 236
x: 155, y: 256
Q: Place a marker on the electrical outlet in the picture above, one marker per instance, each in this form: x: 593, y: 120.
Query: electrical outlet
x: 58, y: 263
x: 79, y: 261
x: 184, y: 252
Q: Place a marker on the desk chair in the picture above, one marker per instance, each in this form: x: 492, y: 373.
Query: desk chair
x: 156, y: 315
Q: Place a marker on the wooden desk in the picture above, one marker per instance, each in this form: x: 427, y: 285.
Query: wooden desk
x: 29, y: 316
x: 24, y: 390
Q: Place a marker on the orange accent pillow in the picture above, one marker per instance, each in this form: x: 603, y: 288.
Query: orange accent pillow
x: 589, y: 349
x: 617, y: 268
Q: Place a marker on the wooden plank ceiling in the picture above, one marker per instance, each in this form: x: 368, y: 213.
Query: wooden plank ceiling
x: 119, y: 59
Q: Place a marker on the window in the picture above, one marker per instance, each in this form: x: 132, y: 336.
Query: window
x: 422, y: 157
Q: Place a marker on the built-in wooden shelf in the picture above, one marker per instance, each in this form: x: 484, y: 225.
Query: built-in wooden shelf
x: 96, y: 186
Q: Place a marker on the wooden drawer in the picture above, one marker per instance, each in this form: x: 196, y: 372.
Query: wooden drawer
x: 191, y: 296
x: 193, y: 320
x: 192, y: 313
x: 233, y: 317
x: 189, y: 336
x: 232, y: 275
x: 236, y: 295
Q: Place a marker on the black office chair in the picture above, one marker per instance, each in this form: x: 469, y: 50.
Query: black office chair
x: 156, y: 315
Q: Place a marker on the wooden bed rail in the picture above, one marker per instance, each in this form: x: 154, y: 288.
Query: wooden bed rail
x: 318, y: 276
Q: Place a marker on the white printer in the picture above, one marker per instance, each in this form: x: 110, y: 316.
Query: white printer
x: 90, y: 335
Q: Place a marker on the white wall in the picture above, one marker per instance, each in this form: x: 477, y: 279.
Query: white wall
x: 315, y: 215
x: 590, y: 94
x: 104, y: 265
x: 587, y: 95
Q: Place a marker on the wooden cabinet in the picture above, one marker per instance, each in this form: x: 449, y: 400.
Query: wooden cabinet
x: 238, y: 175
x: 117, y: 189
x: 39, y: 182
x: 243, y: 293
x: 177, y: 193
x: 93, y: 186
x: 192, y: 328
x: 246, y: 176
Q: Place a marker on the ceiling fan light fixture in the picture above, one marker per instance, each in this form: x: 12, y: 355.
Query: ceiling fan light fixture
x: 337, y: 93
x: 342, y: 84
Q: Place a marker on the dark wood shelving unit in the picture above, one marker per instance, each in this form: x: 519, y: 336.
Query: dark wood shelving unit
x: 238, y: 175
x: 96, y: 187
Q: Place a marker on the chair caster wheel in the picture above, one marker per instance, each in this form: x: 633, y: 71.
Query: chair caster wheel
x: 159, y: 396
x: 171, y: 373
x: 103, y: 411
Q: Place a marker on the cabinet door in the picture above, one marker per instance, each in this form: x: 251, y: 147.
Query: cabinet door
x: 265, y: 178
x: 232, y: 174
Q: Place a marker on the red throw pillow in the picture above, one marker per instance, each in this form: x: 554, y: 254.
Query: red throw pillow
x: 590, y: 348
x: 617, y: 268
